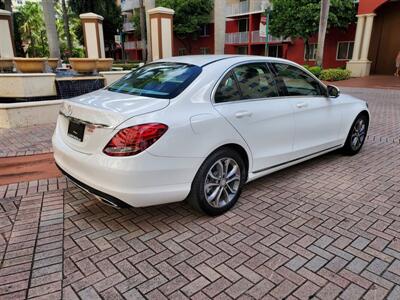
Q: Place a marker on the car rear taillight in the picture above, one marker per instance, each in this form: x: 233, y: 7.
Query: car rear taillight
x: 135, y: 139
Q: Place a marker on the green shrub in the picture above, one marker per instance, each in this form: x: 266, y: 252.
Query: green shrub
x: 335, y: 74
x: 315, y: 70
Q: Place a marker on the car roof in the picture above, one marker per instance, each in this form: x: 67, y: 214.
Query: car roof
x: 202, y: 60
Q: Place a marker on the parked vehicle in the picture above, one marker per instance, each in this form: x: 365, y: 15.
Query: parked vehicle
x: 200, y: 127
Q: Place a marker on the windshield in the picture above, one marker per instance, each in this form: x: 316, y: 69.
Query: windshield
x: 158, y: 80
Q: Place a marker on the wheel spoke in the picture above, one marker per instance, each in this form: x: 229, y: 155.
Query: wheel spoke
x: 232, y: 172
x: 219, y: 197
x: 210, y: 185
x: 213, y: 195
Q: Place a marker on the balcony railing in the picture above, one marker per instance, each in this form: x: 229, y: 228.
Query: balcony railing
x: 237, y: 37
x: 132, y: 45
x: 246, y: 7
x: 129, y: 5
x: 256, y: 38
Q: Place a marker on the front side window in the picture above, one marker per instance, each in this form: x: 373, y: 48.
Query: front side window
x: 227, y: 90
x: 295, y: 82
x: 255, y: 81
x: 158, y: 80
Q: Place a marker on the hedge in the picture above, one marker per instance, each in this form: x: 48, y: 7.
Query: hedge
x: 334, y: 74
x: 315, y: 70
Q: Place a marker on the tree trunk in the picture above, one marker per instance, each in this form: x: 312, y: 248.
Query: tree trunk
x: 66, y: 26
x: 323, y: 23
x: 143, y: 30
x: 307, y: 46
x: 50, y: 22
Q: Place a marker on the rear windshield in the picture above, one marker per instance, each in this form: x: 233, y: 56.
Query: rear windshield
x: 158, y: 80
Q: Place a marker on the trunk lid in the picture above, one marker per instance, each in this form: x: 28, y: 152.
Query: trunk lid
x: 101, y: 112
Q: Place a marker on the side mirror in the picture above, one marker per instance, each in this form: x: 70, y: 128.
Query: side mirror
x: 333, y: 91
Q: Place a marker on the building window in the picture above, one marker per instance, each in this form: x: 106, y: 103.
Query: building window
x: 204, y: 50
x: 312, y: 54
x: 275, y: 50
x: 344, y: 50
x: 181, y: 51
x: 205, y: 30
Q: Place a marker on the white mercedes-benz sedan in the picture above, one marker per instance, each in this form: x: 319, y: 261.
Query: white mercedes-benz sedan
x: 200, y: 127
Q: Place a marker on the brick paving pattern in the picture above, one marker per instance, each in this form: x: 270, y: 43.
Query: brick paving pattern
x: 26, y: 140
x: 328, y: 228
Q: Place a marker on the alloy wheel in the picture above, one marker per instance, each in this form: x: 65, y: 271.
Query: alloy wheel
x: 222, y: 182
x: 358, y: 134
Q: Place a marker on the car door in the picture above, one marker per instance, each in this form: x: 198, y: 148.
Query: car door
x: 248, y: 98
x: 316, y: 117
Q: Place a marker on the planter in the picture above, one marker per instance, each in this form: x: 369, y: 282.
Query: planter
x: 14, y: 115
x: 17, y: 85
x: 83, y: 65
x: 104, y: 64
x: 6, y: 64
x: 53, y: 63
x: 30, y: 65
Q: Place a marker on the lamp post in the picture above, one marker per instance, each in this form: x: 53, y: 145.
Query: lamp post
x: 267, y: 15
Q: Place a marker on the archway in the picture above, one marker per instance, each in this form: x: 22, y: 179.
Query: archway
x: 385, y: 41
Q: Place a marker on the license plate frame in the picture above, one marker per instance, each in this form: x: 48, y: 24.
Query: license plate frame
x: 76, y: 130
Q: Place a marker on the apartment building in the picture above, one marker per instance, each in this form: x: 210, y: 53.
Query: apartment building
x: 235, y: 29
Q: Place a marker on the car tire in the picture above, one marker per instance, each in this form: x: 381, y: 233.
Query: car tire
x: 224, y: 170
x: 357, y: 135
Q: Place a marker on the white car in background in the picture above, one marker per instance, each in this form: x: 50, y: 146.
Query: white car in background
x: 200, y: 127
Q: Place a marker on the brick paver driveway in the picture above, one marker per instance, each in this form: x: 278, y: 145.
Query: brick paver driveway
x: 328, y: 228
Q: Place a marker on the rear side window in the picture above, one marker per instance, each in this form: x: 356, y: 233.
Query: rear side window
x: 255, y: 81
x: 158, y: 80
x: 227, y: 90
x: 295, y: 81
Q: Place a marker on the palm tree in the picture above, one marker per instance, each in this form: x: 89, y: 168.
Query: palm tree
x: 31, y: 25
x: 66, y: 26
x: 50, y: 21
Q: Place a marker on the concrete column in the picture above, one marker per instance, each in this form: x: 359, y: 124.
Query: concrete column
x: 148, y: 4
x: 93, y: 35
x: 161, y: 32
x: 219, y: 26
x: 358, y: 39
x: 367, y: 36
x: 7, y: 48
x: 360, y: 65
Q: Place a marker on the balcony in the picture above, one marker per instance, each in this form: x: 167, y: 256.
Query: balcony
x: 133, y: 45
x: 245, y: 7
x: 256, y: 38
x: 128, y: 26
x: 127, y: 5
x: 237, y: 37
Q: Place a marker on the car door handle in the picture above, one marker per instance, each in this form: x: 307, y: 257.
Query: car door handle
x: 301, y: 105
x: 241, y: 114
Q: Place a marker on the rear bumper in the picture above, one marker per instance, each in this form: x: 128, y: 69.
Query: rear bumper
x: 108, y: 199
x: 142, y: 180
